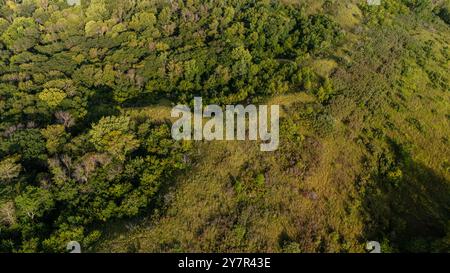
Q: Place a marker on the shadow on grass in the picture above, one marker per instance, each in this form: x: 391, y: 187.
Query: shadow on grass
x: 409, y: 207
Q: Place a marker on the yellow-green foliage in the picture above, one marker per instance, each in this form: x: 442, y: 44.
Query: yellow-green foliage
x: 52, y: 96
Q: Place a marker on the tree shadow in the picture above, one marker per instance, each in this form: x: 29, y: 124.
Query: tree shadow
x: 408, y: 207
x: 101, y: 104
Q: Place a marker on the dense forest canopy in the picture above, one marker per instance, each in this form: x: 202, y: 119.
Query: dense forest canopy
x: 72, y: 158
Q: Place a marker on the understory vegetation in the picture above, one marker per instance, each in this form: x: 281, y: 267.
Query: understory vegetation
x: 86, y: 152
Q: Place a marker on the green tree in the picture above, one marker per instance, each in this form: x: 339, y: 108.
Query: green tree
x: 56, y: 136
x: 97, y: 11
x: 113, y: 135
x: 21, y: 35
x: 33, y: 203
x: 52, y: 97
x: 9, y: 169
